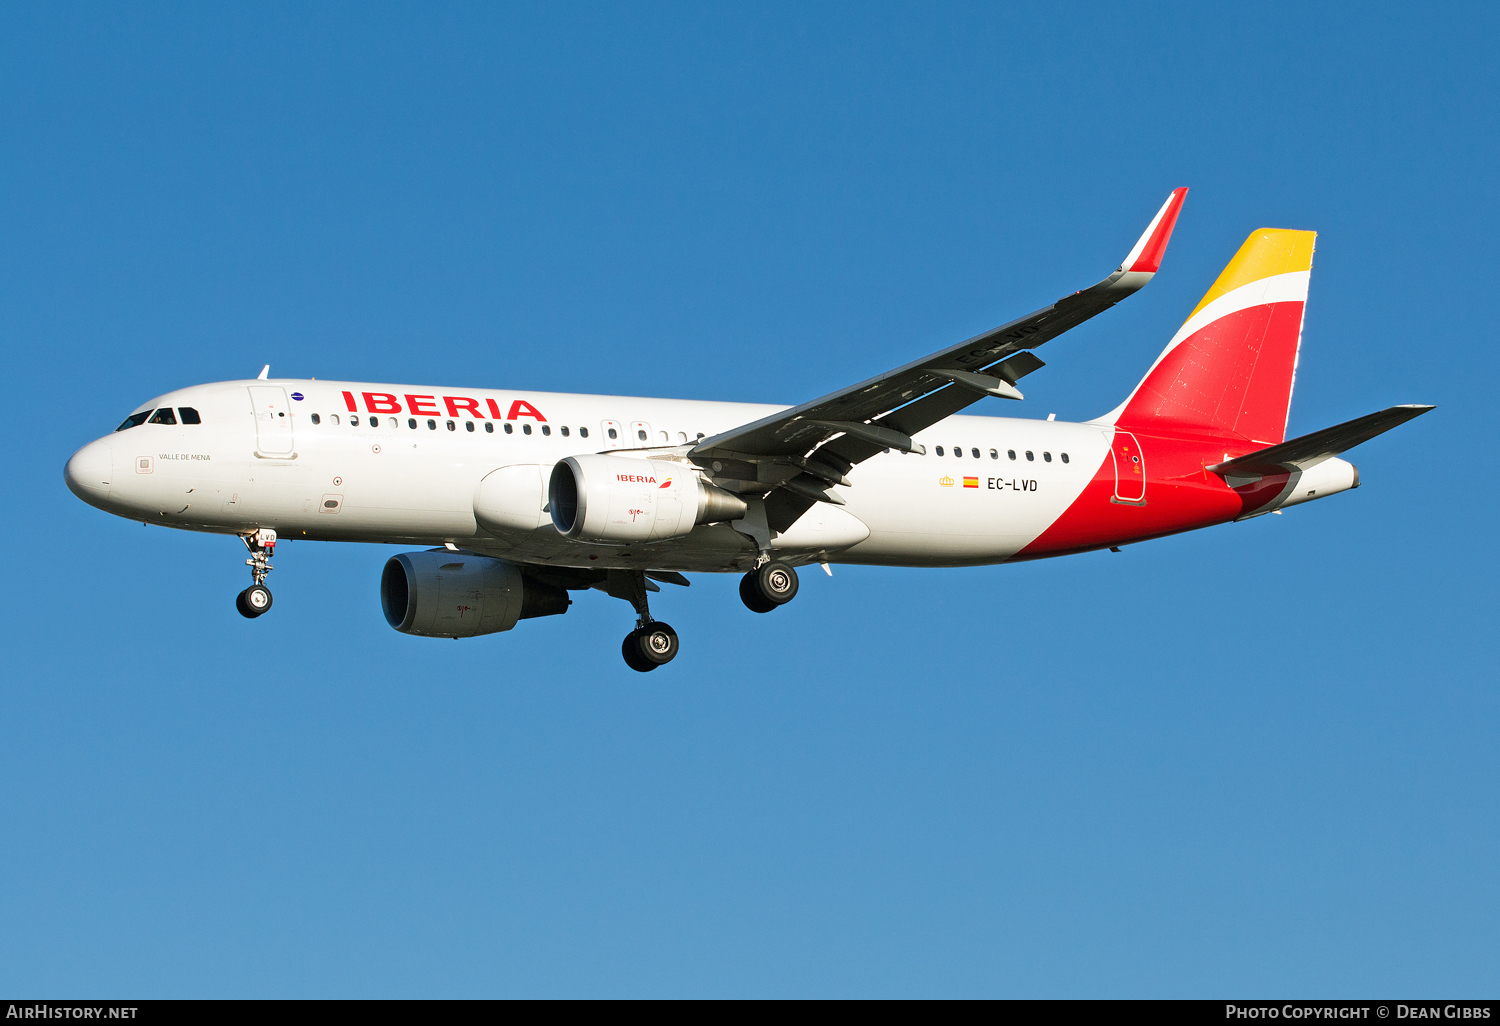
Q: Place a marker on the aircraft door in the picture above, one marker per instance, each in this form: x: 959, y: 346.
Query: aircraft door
x: 614, y: 434
x: 640, y: 433
x: 273, y: 420
x: 1130, y: 469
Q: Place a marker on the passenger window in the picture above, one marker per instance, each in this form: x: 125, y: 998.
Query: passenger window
x: 564, y: 430
x: 664, y: 436
x: 958, y: 451
x: 469, y: 426
x: 546, y: 429
x: 1011, y: 453
x: 612, y: 433
x: 134, y: 420
x: 509, y: 429
x: 525, y: 429
x: 316, y: 419
x: 940, y: 450
x: 392, y: 423
x: 432, y: 425
x: 681, y: 437
x: 994, y: 454
x: 974, y: 453
x: 1029, y: 456
x: 489, y: 427
x: 374, y: 421
x: 583, y: 432
x: 1047, y: 457
x: 333, y: 418
x: 164, y: 416
x: 189, y: 415
x: 1065, y: 457
x: 411, y: 422
x: 452, y: 426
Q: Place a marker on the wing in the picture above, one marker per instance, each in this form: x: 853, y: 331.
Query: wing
x: 793, y: 456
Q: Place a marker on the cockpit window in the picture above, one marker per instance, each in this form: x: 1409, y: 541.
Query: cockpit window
x: 164, y: 416
x: 134, y: 420
x: 189, y: 415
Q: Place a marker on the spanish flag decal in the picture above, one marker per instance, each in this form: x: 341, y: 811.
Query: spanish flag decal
x: 971, y: 482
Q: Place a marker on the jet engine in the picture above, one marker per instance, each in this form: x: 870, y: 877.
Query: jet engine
x: 598, y: 498
x: 442, y: 594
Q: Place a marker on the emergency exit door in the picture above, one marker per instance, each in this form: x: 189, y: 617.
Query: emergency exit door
x: 1130, y: 469
x: 273, y: 420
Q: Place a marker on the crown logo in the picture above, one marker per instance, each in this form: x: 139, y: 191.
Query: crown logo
x: 946, y: 481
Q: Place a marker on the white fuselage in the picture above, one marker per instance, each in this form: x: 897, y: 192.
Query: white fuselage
x: 309, y: 466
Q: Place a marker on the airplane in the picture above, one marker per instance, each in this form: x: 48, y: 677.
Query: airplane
x: 518, y: 498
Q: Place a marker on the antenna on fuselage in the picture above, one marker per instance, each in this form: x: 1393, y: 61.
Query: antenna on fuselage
x: 265, y: 372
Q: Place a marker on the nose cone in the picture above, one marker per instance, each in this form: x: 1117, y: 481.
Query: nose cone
x: 89, y: 472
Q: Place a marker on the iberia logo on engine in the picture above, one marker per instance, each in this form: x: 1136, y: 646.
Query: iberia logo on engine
x: 638, y: 479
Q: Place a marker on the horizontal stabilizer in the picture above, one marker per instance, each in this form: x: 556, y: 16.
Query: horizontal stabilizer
x: 1310, y: 450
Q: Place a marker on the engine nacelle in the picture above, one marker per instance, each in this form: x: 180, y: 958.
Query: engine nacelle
x: 441, y: 594
x: 619, y: 499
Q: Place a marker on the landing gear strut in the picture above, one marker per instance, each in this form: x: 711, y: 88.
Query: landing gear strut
x: 768, y: 586
x: 256, y: 599
x: 652, y: 643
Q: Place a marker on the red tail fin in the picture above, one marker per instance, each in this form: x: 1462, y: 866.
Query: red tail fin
x: 1232, y: 365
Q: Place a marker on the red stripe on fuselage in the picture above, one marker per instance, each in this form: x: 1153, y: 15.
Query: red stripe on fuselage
x: 1181, y: 495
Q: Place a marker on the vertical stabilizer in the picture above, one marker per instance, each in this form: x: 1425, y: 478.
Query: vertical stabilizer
x: 1231, y: 367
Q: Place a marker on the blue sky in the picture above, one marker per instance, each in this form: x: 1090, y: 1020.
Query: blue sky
x: 1261, y: 759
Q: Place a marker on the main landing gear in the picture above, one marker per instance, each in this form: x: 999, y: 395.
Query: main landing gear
x: 768, y: 586
x: 256, y: 599
x: 652, y: 643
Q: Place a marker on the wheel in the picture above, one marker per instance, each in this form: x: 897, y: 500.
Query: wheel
x: 634, y: 657
x: 657, y: 643
x: 751, y: 596
x: 253, y: 601
x: 776, y: 582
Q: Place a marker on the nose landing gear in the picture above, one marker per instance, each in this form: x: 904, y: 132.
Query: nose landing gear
x: 253, y: 601
x: 768, y: 586
x: 256, y: 599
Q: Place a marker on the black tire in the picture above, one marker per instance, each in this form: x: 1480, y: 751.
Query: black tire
x: 751, y: 596
x: 254, y: 601
x: 776, y: 582
x: 634, y: 658
x: 657, y: 643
